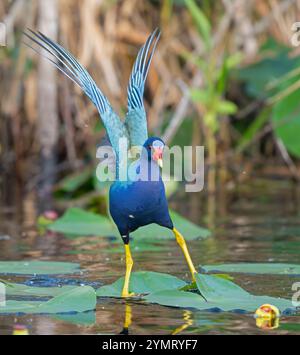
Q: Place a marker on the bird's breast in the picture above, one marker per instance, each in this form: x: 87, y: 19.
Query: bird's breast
x: 136, y: 199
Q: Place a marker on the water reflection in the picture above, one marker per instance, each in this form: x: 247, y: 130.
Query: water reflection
x: 127, y: 321
x: 267, y: 324
x: 188, y: 321
x: 20, y: 329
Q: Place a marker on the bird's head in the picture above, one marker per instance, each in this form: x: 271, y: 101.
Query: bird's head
x: 155, y: 147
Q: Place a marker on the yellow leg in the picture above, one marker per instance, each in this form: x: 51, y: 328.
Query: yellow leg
x: 129, y: 264
x: 180, y: 240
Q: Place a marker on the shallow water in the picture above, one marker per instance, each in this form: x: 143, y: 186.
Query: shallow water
x: 258, y: 222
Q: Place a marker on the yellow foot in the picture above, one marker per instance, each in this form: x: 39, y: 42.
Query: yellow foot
x: 127, y: 294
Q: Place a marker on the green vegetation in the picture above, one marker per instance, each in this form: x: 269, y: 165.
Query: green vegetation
x: 77, y: 222
x: 37, y: 267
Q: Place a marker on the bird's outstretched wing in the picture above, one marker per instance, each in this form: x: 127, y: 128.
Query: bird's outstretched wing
x: 64, y: 61
x: 136, y: 120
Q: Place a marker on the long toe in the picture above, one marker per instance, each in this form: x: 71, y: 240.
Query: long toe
x: 128, y: 294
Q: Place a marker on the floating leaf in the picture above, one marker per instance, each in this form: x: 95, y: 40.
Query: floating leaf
x: 76, y: 222
x: 23, y: 290
x: 38, y: 267
x: 215, y: 288
x: 227, y: 296
x: 77, y: 299
x: 255, y: 268
x: 142, y: 282
x: 220, y: 295
x: 177, y: 298
x: 217, y: 293
x: 137, y: 245
x: 181, y: 299
x: 225, y: 276
x: 189, y: 230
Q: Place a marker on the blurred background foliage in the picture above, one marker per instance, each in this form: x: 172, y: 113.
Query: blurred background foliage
x: 225, y: 76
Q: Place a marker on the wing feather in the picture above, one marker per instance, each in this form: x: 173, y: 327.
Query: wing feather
x: 64, y: 61
x: 136, y: 120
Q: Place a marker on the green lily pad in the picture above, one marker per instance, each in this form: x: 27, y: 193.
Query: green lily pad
x: 177, y: 298
x: 14, y: 289
x: 215, y: 293
x: 255, y: 268
x: 228, y: 296
x: 38, y: 267
x: 188, y: 229
x: 181, y: 299
x: 77, y: 299
x: 220, y: 295
x: 142, y: 282
x: 215, y: 288
x: 77, y: 222
x: 138, y: 246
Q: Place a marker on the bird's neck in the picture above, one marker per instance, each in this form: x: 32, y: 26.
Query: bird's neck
x: 143, y: 170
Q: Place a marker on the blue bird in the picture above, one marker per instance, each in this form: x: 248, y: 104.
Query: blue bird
x: 140, y: 200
